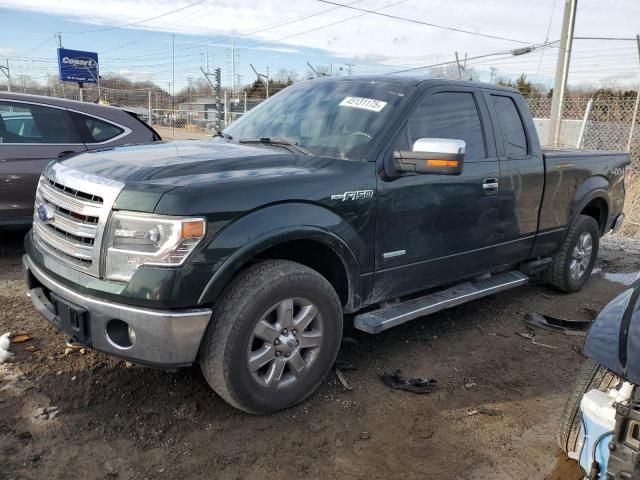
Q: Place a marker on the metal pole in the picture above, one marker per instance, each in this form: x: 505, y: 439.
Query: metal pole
x: 150, y: 111
x: 7, y: 73
x: 587, y: 113
x: 173, y: 85
x: 458, y: 65
x: 562, y: 69
x: 634, y: 117
x: 267, y: 81
x: 245, y: 101
x: 226, y: 110
x: 81, y: 96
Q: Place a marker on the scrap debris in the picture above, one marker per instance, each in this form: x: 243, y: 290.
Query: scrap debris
x: 416, y: 385
x: 343, y: 380
x: 482, y: 411
x: 532, y: 337
x: 21, y: 338
x: 559, y: 325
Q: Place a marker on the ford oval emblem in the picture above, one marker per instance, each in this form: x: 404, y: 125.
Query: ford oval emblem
x: 45, y: 214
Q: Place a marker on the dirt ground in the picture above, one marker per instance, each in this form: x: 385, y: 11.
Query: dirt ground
x: 493, y: 416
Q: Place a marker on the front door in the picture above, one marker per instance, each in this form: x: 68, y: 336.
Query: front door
x: 31, y: 135
x: 437, y: 229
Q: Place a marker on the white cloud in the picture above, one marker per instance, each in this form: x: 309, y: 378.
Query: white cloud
x: 348, y: 34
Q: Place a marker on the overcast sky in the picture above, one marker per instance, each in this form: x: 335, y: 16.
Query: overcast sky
x: 288, y: 33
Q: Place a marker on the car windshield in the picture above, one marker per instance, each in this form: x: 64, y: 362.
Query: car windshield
x: 339, y: 119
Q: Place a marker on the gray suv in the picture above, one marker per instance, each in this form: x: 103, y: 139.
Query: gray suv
x: 35, y: 130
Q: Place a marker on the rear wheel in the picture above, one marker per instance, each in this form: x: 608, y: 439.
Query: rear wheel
x: 591, y: 376
x: 574, y: 261
x: 273, y: 336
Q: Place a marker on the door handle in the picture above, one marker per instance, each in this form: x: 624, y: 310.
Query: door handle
x: 490, y: 186
x: 66, y: 153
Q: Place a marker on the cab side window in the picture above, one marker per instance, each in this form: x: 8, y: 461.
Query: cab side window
x: 95, y: 130
x: 27, y: 123
x: 451, y: 115
x: 513, y: 136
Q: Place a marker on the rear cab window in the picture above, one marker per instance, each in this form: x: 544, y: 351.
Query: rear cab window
x: 28, y: 123
x: 96, y: 130
x: 514, y: 137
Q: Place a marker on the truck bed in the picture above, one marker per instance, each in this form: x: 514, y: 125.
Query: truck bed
x: 571, y: 177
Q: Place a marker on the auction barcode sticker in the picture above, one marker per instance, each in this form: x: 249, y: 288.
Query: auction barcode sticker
x: 363, y: 103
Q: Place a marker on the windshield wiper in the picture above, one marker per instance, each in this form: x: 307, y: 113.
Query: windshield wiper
x: 283, y: 142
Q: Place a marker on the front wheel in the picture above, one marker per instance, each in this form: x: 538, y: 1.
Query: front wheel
x: 273, y: 337
x: 574, y: 261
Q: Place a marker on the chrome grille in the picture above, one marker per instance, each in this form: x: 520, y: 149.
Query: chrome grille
x: 71, y: 212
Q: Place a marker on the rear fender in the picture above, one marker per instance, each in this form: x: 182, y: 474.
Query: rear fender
x: 593, y: 188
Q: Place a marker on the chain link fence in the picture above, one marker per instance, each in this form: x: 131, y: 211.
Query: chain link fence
x: 603, y: 123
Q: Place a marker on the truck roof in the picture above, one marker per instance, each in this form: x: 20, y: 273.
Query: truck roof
x: 414, y: 81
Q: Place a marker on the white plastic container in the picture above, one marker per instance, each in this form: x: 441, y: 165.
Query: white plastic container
x: 599, y: 418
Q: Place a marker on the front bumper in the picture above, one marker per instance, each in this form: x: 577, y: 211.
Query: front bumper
x: 165, y: 338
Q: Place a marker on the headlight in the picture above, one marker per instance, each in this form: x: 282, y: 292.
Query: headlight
x: 136, y: 239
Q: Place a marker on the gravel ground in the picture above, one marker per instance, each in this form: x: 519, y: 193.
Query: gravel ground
x: 493, y: 416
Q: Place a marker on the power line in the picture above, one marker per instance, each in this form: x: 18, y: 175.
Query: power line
x: 260, y: 29
x: 322, y: 26
x: 419, y: 22
x: 198, y: 2
x: 509, y: 52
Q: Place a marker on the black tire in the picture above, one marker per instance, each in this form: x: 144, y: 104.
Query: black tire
x: 226, y: 347
x: 559, y: 273
x: 591, y: 376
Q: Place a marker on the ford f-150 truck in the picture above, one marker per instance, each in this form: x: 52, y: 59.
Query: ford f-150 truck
x: 386, y: 198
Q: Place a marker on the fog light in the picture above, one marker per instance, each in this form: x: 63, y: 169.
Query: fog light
x: 120, y: 334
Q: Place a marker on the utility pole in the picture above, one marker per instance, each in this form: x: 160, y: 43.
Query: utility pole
x: 562, y: 69
x: 59, y: 37
x: 493, y: 73
x: 262, y: 76
x: 459, y: 66
x: 189, y: 80
x: 7, y: 73
x: 173, y: 84
x: 636, y: 105
x: 349, y: 65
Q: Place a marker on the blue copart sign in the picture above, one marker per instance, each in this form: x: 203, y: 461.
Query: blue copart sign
x: 77, y: 66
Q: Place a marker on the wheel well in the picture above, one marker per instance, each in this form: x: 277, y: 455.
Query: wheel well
x: 598, y: 210
x: 319, y: 257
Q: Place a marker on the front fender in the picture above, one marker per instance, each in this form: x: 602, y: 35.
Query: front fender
x: 254, y: 233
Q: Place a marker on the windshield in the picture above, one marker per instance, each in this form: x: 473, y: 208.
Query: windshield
x: 339, y: 119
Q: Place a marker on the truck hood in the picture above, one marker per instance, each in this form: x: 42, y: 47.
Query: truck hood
x: 614, y: 338
x: 180, y: 163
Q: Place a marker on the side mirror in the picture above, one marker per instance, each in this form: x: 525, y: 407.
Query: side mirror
x: 435, y: 156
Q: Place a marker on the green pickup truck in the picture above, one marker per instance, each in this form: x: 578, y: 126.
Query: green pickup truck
x: 386, y: 198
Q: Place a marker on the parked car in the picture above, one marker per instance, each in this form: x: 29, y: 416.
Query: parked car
x: 387, y: 198
x: 601, y: 422
x: 36, y: 129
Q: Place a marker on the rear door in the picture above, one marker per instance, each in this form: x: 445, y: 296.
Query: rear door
x: 521, y: 177
x: 437, y: 229
x: 31, y: 135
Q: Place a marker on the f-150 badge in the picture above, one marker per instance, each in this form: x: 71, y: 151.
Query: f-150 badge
x: 357, y: 195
